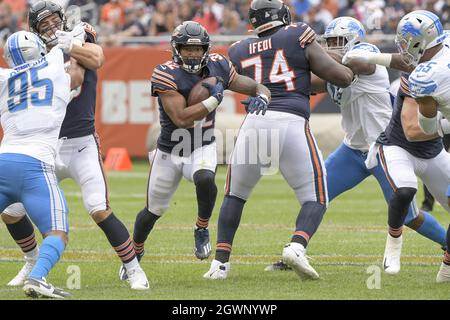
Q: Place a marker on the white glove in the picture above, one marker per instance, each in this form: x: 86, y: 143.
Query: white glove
x: 66, y: 40
x: 79, y: 32
x: 383, y: 59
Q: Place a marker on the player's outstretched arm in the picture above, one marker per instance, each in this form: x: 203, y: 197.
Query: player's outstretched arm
x: 410, y: 122
x: 76, y: 73
x: 326, y: 67
x: 358, y: 67
x: 90, y: 55
x: 389, y: 60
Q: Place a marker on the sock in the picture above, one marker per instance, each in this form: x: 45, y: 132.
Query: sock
x: 395, y: 232
x: 51, y: 251
x: 398, y: 209
x: 430, y: 228
x: 308, y: 220
x: 145, y: 220
x: 206, y: 190
x: 229, y: 218
x: 118, y: 237
x: 23, y: 233
x: 132, y: 264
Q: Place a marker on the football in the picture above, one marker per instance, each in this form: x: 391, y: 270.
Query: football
x: 198, y: 92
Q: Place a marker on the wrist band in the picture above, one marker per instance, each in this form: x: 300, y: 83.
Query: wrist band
x: 210, y: 104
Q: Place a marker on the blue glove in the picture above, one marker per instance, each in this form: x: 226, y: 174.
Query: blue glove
x: 256, y: 104
x: 215, y: 91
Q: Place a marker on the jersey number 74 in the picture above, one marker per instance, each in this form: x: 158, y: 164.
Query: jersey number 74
x: 279, y: 72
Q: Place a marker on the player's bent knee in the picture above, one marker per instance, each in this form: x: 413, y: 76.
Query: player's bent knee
x: 7, y: 219
x: 58, y: 233
x: 95, y: 202
x: 415, y: 222
x: 404, y: 194
x: 158, y: 209
x: 16, y: 211
x: 101, y: 215
x: 204, y: 178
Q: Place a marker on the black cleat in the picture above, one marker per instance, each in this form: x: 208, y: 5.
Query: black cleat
x: 202, y: 245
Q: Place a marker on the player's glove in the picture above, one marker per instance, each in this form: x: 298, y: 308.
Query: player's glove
x: 66, y: 40
x: 256, y: 104
x: 215, y: 91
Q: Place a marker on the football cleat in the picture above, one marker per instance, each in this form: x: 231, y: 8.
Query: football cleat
x: 392, y: 253
x: 294, y: 256
x: 40, y: 288
x: 137, y: 279
x: 218, y: 270
x: 202, y: 244
x: 20, y: 278
x: 277, y: 266
x: 123, y: 271
x: 443, y: 274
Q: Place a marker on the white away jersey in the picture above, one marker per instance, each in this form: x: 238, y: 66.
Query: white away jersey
x: 33, y: 100
x: 432, y: 78
x: 365, y: 105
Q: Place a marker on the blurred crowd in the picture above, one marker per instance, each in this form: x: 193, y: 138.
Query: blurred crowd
x: 116, y: 19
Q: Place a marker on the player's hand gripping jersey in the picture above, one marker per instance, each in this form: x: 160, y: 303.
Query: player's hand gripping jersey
x: 169, y: 76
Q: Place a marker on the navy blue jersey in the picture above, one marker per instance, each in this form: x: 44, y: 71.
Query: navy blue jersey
x: 80, y: 115
x: 279, y: 62
x: 394, y: 135
x: 169, y: 76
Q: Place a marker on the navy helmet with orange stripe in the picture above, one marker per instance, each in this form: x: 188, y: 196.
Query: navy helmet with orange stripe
x: 42, y: 10
x: 267, y: 14
x: 190, y: 33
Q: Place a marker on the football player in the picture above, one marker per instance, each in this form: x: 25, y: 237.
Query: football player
x: 282, y: 57
x: 366, y: 110
x: 186, y: 146
x: 35, y: 95
x: 412, y: 144
x: 79, y: 156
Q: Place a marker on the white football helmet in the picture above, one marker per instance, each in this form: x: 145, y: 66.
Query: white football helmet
x: 347, y: 30
x: 416, y: 32
x: 22, y: 47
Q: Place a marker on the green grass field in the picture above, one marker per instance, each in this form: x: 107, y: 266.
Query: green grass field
x: 349, y: 241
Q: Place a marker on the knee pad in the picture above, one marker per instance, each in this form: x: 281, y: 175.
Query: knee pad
x: 404, y: 195
x: 95, y: 202
x: 204, y: 178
